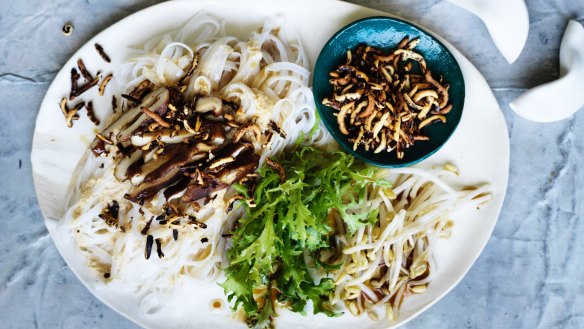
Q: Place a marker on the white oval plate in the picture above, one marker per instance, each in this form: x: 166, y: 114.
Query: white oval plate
x: 479, y: 147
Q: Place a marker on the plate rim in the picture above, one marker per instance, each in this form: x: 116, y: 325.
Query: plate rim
x: 51, y: 222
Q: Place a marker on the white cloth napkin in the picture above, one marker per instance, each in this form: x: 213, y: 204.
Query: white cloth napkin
x: 561, y: 98
x: 507, y: 22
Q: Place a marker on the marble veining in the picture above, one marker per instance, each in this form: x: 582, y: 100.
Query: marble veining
x: 529, y: 275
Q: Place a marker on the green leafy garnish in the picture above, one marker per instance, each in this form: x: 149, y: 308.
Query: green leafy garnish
x: 290, y: 224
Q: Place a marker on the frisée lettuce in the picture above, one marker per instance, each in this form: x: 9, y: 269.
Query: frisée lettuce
x: 288, y: 223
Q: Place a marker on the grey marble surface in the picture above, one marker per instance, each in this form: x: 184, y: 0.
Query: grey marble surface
x: 529, y: 275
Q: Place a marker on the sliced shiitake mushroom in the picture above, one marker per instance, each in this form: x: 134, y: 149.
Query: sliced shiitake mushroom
x: 277, y: 167
x: 245, y: 163
x: 121, y: 168
x: 196, y: 192
x: 249, y: 129
x: 166, y: 173
x: 122, y: 128
x: 165, y: 136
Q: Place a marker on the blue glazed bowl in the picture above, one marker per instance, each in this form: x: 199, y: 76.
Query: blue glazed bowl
x: 386, y: 33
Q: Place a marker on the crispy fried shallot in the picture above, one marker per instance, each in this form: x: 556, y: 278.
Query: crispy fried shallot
x: 383, y: 101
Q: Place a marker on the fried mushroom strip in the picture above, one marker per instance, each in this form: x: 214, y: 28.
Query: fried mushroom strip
x: 383, y: 101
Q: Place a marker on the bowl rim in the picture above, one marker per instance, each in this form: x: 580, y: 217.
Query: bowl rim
x: 347, y: 148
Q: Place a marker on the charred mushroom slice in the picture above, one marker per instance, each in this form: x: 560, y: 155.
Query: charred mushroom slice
x: 232, y: 164
x: 177, y: 188
x: 277, y: 129
x: 216, y: 133
x: 232, y: 201
x: 86, y: 75
x: 102, y: 53
x: 235, y: 149
x: 121, y: 168
x: 166, y: 173
x: 154, y: 116
x: 277, y: 167
x: 219, y: 163
x: 198, y: 191
x: 148, y: 248
x: 246, y: 162
x: 150, y: 110
x: 249, y: 129
x: 126, y: 123
x: 166, y: 136
x: 141, y: 89
x: 91, y: 113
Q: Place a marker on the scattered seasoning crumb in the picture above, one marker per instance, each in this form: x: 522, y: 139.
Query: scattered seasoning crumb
x: 209, y: 198
x: 74, y: 77
x: 232, y: 202
x: 19, y: 163
x: 111, y: 221
x: 101, y: 166
x: 148, y: 250
x: 104, y: 139
x: 86, y: 75
x: 141, y: 89
x: 155, y: 117
x: 76, y: 90
x: 106, y: 275
x: 196, y: 207
x: 114, y: 104
x: 204, y: 240
x: 104, y: 83
x: 159, y: 248
x: 84, y: 88
x: 63, y: 106
x: 216, y: 303
x: 72, y: 114
x: 114, y: 208
x: 91, y: 113
x: 175, y: 234
x: 228, y: 235
x: 193, y: 221
x: 147, y: 227
x: 67, y: 29
x: 277, y: 129
x: 125, y: 150
x: 102, y: 53
x: 131, y: 99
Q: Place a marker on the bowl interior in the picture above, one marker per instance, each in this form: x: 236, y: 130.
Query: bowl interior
x: 386, y: 33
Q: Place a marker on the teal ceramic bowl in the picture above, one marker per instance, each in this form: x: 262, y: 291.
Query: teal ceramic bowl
x: 386, y: 33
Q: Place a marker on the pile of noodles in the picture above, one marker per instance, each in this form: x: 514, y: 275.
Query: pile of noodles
x: 268, y: 75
